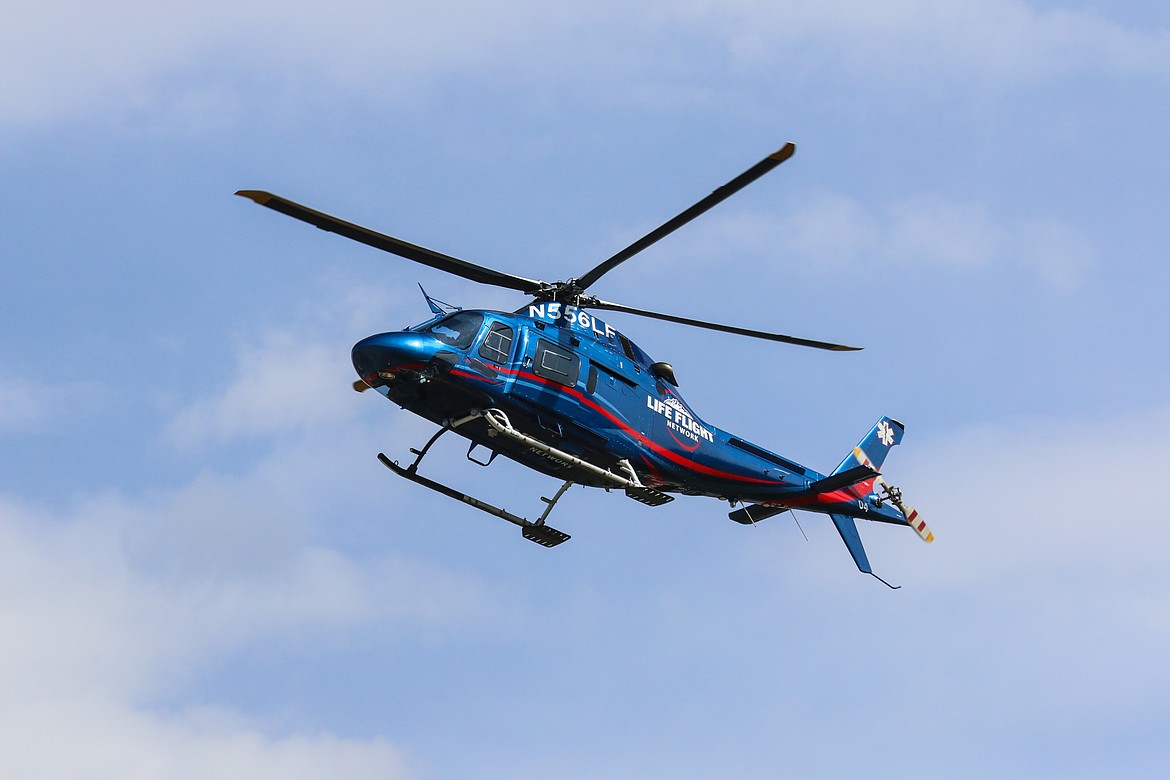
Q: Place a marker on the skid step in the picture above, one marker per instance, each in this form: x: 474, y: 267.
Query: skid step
x: 544, y: 535
x: 648, y: 496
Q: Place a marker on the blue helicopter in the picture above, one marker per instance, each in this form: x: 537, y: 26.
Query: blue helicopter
x: 555, y: 388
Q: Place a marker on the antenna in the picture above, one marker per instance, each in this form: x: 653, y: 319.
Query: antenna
x: 437, y: 306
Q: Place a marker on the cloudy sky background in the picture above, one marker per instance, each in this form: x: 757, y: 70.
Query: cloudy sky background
x: 204, y: 572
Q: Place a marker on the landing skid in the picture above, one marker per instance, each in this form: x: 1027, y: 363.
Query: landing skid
x: 538, y: 532
x: 533, y: 531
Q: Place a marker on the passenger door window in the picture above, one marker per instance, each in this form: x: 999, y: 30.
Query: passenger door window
x: 555, y: 363
x: 497, y: 345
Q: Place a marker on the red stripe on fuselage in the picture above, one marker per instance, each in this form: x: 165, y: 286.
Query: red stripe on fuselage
x: 485, y: 379
x: 639, y: 437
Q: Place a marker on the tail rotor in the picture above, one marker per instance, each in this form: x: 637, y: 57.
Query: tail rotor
x: 913, y: 519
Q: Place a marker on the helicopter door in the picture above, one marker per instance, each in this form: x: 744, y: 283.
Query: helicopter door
x: 496, y: 349
x: 558, y: 367
x: 551, y: 361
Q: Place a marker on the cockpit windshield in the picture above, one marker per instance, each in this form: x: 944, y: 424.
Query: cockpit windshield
x: 457, y: 330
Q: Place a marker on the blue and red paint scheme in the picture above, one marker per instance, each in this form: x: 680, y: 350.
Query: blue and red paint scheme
x: 565, y: 377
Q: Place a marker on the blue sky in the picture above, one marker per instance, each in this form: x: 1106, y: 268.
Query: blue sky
x: 205, y: 572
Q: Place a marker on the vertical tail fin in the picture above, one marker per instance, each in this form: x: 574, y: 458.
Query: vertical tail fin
x: 872, y: 450
x: 848, y: 530
x: 871, y: 453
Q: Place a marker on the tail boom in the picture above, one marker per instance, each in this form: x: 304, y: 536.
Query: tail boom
x: 854, y: 490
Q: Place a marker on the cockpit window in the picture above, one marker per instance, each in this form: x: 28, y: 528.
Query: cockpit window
x: 458, y: 330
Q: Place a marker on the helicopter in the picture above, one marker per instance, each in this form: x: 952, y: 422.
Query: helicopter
x: 555, y: 388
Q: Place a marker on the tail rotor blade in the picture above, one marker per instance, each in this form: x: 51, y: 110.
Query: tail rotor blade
x: 915, y: 521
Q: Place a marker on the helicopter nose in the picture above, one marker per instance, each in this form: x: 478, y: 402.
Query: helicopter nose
x: 385, y: 354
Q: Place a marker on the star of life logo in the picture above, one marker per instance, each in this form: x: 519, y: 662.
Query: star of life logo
x: 679, y: 419
x: 885, y: 433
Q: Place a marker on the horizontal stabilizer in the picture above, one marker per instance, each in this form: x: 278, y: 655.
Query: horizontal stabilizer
x: 843, y: 480
x: 755, y: 513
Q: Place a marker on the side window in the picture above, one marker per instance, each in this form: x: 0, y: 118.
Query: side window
x: 553, y: 362
x: 627, y: 348
x: 497, y: 345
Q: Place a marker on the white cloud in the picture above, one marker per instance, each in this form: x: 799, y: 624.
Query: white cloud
x: 283, y: 384
x: 1059, y: 498
x: 297, y: 379
x: 29, y: 405
x: 828, y: 229
x: 60, y: 59
x: 115, y: 602
x: 1040, y: 607
x: 1058, y: 252
x: 1055, y: 521
x: 64, y: 57
x: 937, y: 232
x: 66, y: 740
x: 1003, y: 41
x: 120, y: 602
x: 23, y: 404
x: 924, y: 231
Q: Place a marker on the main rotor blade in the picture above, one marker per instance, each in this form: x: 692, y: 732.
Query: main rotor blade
x: 716, y: 197
x: 418, y: 254
x: 758, y: 334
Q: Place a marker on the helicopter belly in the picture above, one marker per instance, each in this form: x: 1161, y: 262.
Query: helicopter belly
x: 462, y: 393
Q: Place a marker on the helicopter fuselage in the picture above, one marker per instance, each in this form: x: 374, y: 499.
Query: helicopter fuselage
x: 566, y: 378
